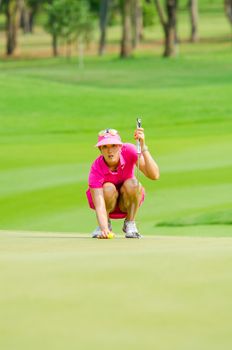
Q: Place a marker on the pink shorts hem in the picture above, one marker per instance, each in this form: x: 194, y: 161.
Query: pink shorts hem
x: 117, y: 213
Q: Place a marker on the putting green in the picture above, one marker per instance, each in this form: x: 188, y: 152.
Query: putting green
x: 68, y: 291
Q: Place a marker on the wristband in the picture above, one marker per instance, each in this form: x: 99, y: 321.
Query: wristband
x: 144, y: 149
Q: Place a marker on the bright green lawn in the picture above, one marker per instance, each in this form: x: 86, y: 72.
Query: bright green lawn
x: 67, y: 291
x: 72, y: 292
x: 50, y: 113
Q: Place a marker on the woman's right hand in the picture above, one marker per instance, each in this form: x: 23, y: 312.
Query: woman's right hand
x: 106, y: 234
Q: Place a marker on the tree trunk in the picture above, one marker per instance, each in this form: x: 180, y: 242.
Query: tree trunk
x: 104, y: 9
x: 54, y: 45
x: 228, y: 9
x: 193, y: 8
x: 170, y: 33
x: 24, y: 19
x: 28, y: 14
x: 169, y: 25
x: 137, y: 21
x: 12, y: 24
x: 32, y: 14
x: 126, y: 43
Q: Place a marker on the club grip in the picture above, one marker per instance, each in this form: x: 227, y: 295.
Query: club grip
x: 139, y: 124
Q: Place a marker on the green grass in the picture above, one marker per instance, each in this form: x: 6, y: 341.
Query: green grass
x: 51, y: 112
x: 169, y: 291
x: 69, y: 291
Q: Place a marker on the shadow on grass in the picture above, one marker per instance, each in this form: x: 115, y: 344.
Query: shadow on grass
x: 206, y: 219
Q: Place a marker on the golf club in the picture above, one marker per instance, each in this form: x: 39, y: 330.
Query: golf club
x: 138, y: 146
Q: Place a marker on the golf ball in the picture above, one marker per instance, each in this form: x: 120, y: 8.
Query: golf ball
x: 110, y: 235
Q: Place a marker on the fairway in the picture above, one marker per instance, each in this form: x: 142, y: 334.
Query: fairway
x: 49, y: 128
x: 59, y: 288
x: 68, y: 291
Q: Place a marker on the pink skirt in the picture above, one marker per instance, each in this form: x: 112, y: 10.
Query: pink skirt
x: 117, y: 213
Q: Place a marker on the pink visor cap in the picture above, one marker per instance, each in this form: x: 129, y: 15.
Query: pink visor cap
x: 108, y: 137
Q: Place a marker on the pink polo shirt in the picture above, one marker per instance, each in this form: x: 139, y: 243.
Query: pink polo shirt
x: 100, y: 173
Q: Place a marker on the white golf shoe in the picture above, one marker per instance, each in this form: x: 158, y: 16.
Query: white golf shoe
x: 97, y: 232
x: 130, y: 229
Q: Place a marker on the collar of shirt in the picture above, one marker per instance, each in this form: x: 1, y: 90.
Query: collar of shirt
x: 105, y: 168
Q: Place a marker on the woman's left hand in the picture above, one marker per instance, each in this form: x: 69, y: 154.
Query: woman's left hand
x: 139, y: 135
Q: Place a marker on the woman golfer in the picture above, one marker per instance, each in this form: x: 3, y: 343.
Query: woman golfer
x: 114, y: 192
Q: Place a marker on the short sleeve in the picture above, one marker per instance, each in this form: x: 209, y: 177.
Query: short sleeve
x: 131, y: 152
x: 96, y: 179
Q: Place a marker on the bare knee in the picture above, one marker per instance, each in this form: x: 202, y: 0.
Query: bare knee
x: 109, y: 191
x: 131, y: 187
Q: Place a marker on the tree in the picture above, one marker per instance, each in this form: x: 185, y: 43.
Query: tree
x: 12, y: 12
x: 81, y: 25
x: 54, y: 22
x: 126, y: 43
x: 169, y: 25
x: 228, y: 9
x: 31, y: 9
x: 193, y: 9
x: 24, y: 18
x: 103, y: 16
x: 137, y: 22
x: 70, y: 20
x: 149, y: 13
